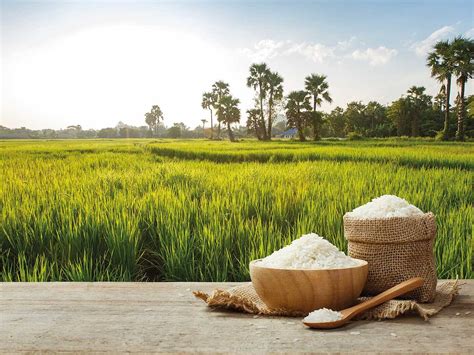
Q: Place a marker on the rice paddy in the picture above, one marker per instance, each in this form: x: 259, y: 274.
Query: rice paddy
x: 148, y: 210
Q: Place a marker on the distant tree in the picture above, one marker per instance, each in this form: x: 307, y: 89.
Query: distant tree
x: 219, y: 90
x: 107, y: 133
x: 254, y: 123
x: 297, y: 111
x: 229, y: 113
x: 379, y: 124
x: 355, y: 118
x: 336, y: 122
x: 433, y: 120
x: 153, y: 118
x: 178, y: 130
x: 258, y: 80
x: 317, y: 86
x: 203, y: 126
x: 86, y: 134
x: 418, y: 104
x: 275, y: 94
x: 129, y: 132
x: 399, y: 113
x: 463, y: 58
x: 441, y: 62
x: 208, y: 102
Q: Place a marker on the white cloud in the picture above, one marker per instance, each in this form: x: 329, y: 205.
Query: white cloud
x: 375, y: 56
x: 423, y: 47
x: 469, y: 33
x: 317, y: 52
x: 344, y: 45
x: 264, y: 49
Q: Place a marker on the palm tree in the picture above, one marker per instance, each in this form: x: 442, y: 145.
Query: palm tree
x: 228, y: 113
x: 153, y: 117
x: 297, y: 109
x: 219, y: 90
x: 317, y: 86
x: 463, y: 54
x: 258, y: 80
x: 275, y: 94
x: 208, y: 101
x: 441, y: 63
x: 204, y: 121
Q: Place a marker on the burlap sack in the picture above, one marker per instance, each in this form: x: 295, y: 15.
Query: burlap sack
x: 397, y: 249
x: 243, y: 298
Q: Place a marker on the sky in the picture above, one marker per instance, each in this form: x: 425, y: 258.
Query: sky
x: 96, y: 63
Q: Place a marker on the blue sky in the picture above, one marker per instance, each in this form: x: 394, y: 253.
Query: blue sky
x: 95, y: 63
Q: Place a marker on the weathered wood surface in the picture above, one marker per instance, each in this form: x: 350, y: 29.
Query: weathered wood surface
x: 150, y: 317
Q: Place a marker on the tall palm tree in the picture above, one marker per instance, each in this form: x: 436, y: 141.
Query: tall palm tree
x: 441, y: 62
x: 297, y: 109
x: 275, y: 93
x: 219, y: 90
x: 463, y: 54
x: 208, y: 101
x: 258, y: 80
x: 317, y: 86
x: 228, y: 113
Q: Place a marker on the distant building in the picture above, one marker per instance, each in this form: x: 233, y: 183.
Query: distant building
x: 291, y: 133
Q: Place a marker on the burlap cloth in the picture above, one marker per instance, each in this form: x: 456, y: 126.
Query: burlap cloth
x: 243, y: 298
x: 397, y: 249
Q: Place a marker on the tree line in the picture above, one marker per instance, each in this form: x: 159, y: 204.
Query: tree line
x: 121, y: 130
x: 414, y: 114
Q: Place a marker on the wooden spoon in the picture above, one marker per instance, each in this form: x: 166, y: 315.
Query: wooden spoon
x: 349, y: 313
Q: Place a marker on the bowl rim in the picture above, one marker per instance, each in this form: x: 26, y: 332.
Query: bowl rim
x: 254, y: 263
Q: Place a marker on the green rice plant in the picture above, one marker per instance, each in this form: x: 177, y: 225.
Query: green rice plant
x: 123, y: 210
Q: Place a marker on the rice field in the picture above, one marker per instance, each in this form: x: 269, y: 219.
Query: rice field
x: 149, y: 210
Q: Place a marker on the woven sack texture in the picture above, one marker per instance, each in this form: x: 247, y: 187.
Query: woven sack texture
x: 397, y: 249
x: 244, y: 298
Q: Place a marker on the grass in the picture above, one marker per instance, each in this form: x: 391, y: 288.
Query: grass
x: 200, y: 210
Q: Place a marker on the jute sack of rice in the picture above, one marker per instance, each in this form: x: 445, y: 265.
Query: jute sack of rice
x: 396, y: 239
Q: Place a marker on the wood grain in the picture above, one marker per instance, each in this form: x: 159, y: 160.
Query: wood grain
x: 307, y: 290
x: 165, y: 317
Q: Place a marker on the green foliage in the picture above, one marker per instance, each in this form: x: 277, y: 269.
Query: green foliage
x: 153, y: 118
x: 298, y: 112
x: 317, y: 86
x: 268, y: 88
x: 228, y: 113
x: 201, y: 210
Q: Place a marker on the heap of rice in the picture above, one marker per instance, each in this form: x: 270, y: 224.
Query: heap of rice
x: 309, y: 252
x: 323, y: 315
x: 385, y: 206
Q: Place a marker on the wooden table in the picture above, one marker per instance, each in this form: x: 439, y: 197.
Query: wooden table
x: 149, y: 317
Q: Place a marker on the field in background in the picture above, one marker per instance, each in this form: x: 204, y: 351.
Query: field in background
x: 201, y: 210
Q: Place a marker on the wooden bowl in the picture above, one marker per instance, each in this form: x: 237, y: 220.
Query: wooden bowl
x: 304, y: 290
